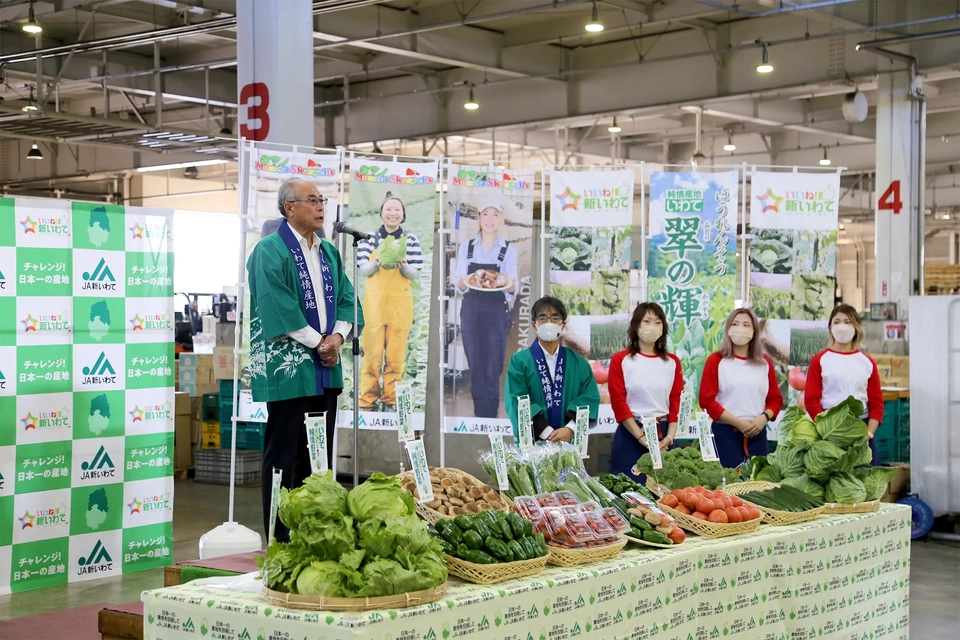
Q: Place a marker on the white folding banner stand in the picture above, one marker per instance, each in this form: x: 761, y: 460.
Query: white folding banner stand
x: 442, y: 299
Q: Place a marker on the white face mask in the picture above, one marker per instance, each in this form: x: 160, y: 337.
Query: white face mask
x: 740, y: 336
x: 843, y: 333
x: 650, y: 332
x: 548, y: 332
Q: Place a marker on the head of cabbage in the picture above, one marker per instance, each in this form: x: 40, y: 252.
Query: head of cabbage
x: 875, y: 484
x: 857, y: 455
x: 806, y: 484
x: 842, y: 425
x: 845, y: 488
x: 804, y: 433
x: 391, y: 252
x: 821, y: 460
x: 788, y: 460
x: 319, y: 498
x: 320, y: 579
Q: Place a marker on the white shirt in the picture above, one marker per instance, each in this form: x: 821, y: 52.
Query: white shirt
x: 308, y: 336
x: 738, y: 386
x: 644, y: 386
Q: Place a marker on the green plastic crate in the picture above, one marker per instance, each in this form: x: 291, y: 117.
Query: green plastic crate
x: 250, y: 436
x: 210, y: 407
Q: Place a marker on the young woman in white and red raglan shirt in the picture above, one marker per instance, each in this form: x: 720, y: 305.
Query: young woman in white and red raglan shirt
x: 739, y: 390
x: 645, y: 382
x: 842, y: 370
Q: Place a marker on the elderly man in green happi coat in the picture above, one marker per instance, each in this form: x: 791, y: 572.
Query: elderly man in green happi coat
x: 557, y: 378
x: 301, y: 313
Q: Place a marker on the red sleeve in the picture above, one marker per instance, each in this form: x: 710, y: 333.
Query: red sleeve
x: 874, y: 394
x: 710, y: 386
x: 774, y: 400
x: 618, y: 388
x: 675, y: 392
x: 814, y: 389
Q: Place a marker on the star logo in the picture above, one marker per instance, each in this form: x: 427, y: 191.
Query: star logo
x: 136, y: 231
x: 136, y: 323
x: 29, y: 422
x: 29, y: 225
x: 30, y: 323
x: 568, y: 200
x: 134, y: 506
x: 136, y: 415
x: 770, y: 201
x: 26, y: 520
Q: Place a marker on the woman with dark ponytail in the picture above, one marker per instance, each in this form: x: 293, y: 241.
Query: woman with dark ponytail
x: 645, y: 382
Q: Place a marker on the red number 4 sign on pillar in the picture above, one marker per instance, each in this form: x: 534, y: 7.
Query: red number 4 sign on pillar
x: 890, y: 200
x: 255, y: 97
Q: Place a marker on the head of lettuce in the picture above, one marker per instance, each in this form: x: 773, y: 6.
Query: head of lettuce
x: 380, y: 497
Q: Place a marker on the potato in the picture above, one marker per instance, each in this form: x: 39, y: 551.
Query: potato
x: 471, y: 508
x: 457, y: 502
x: 457, y: 511
x: 443, y: 509
x: 476, y: 492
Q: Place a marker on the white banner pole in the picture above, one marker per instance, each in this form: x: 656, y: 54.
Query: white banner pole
x: 643, y: 235
x: 444, y: 173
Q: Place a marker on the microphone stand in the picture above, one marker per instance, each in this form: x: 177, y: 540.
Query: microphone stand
x: 356, y: 362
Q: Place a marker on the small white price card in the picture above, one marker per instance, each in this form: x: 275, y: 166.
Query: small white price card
x: 421, y: 475
x: 708, y: 448
x: 583, y: 431
x: 275, y: 500
x: 524, y: 422
x: 686, y: 408
x: 316, y: 425
x: 404, y: 413
x: 653, y: 441
x: 499, y: 460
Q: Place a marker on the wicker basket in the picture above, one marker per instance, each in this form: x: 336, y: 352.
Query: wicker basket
x: 491, y: 573
x: 432, y: 515
x: 657, y: 489
x: 651, y: 544
x: 322, y: 603
x: 836, y: 508
x: 571, y: 557
x: 772, y: 516
x: 710, y: 529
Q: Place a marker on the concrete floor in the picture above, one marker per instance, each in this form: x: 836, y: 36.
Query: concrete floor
x: 934, y: 573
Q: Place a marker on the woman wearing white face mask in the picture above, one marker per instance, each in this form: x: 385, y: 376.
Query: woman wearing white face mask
x: 557, y: 379
x: 645, y: 382
x: 842, y: 370
x: 739, y: 390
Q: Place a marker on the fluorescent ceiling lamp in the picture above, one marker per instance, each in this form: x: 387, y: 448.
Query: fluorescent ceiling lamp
x: 614, y: 128
x: 181, y: 165
x: 471, y: 104
x: 765, y: 66
x: 824, y: 161
x: 29, y: 108
x: 31, y: 26
x: 594, y: 26
x: 34, y: 153
x: 730, y: 146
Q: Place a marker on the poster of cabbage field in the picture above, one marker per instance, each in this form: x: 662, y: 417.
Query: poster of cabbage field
x: 692, y: 261
x: 793, y: 268
x: 591, y: 216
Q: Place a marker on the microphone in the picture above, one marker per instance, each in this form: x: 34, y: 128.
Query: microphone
x: 341, y: 227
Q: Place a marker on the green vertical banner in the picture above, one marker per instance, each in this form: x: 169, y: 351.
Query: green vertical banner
x: 692, y: 262
x: 86, y: 391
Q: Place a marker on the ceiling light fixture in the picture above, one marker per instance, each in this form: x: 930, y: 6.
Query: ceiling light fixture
x: 824, y: 161
x: 765, y: 66
x: 31, y: 25
x: 181, y: 165
x: 594, y: 26
x: 34, y: 153
x: 698, y: 159
x: 614, y: 128
x: 730, y: 146
x: 471, y: 104
x: 31, y: 106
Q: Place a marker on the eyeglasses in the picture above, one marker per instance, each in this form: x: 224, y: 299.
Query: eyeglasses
x: 312, y: 200
x: 555, y: 319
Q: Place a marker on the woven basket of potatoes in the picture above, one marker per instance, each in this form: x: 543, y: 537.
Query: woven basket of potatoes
x: 454, y: 492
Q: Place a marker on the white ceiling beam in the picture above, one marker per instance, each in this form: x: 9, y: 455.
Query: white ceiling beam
x: 802, y: 128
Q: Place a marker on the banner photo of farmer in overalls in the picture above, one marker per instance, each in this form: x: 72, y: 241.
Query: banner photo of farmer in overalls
x: 395, y: 202
x: 490, y: 215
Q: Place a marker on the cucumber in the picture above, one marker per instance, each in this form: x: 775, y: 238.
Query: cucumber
x: 640, y: 524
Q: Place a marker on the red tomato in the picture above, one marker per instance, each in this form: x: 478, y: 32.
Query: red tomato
x: 754, y: 512
x: 683, y: 509
x: 717, y: 516
x: 705, y: 505
x: 677, y: 492
x: 744, y: 512
x: 797, y: 379
x: 670, y: 500
x: 698, y: 515
x: 700, y: 490
x: 689, y: 500
x: 600, y: 372
x: 725, y: 499
x: 733, y: 514
x: 737, y: 502
x: 677, y: 535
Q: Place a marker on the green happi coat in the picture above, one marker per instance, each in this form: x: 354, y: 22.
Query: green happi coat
x: 579, y: 386
x: 280, y: 367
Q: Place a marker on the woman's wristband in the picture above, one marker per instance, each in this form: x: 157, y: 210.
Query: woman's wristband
x: 767, y: 415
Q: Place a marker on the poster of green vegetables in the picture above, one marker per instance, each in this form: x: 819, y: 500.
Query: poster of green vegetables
x: 591, y: 216
x: 793, y: 268
x: 692, y: 261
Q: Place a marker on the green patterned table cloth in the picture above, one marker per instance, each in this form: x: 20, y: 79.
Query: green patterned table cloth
x: 839, y: 577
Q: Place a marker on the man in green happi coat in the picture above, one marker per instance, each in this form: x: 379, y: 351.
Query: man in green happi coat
x: 557, y: 378
x: 301, y: 313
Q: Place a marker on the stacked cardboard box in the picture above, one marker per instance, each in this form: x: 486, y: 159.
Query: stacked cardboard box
x: 223, y: 363
x: 195, y: 374
x: 894, y: 370
x: 182, y: 447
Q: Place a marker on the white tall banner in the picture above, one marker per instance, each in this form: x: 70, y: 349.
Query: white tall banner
x: 591, y: 213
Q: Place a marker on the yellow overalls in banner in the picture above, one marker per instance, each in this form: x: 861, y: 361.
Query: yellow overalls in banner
x: 388, y: 311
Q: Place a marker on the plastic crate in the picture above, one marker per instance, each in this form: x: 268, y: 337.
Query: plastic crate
x: 213, y: 467
x: 210, y: 407
x: 250, y: 435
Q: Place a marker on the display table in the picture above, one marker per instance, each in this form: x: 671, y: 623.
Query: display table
x: 837, y: 577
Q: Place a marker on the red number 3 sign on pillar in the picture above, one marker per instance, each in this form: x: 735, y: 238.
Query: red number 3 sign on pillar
x: 255, y: 97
